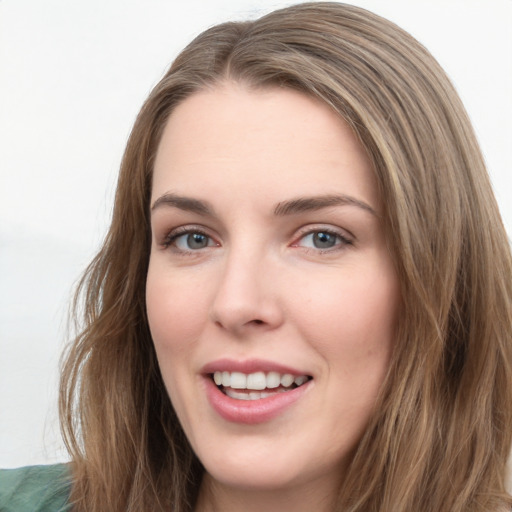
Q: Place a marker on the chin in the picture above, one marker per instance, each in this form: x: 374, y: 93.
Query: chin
x: 266, y: 467
x: 265, y: 477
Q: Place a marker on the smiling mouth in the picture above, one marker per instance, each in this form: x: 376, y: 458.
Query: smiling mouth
x: 258, y: 385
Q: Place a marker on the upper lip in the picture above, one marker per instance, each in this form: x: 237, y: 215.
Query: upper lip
x: 249, y: 366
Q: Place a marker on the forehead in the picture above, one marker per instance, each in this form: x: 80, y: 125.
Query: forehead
x: 245, y: 139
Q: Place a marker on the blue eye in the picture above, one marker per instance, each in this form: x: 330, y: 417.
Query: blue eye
x: 190, y: 241
x: 322, y: 240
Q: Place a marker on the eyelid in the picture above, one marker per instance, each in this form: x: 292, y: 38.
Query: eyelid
x: 179, y: 231
x: 346, y: 237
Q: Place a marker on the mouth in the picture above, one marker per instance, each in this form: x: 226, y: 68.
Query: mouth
x: 257, y: 385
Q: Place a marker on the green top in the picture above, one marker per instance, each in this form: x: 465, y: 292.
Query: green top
x: 35, y: 489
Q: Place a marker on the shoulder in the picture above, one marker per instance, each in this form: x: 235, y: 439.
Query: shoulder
x: 35, y: 489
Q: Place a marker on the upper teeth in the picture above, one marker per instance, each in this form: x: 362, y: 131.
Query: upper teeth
x: 257, y: 380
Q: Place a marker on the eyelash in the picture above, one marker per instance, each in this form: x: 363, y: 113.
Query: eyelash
x: 343, y: 240
x: 173, y: 236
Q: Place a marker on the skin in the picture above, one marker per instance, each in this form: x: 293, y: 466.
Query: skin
x: 261, y: 287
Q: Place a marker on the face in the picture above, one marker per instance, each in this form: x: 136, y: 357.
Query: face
x: 271, y: 295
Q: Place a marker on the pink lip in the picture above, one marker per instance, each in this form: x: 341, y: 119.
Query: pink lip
x: 248, y: 366
x: 250, y: 412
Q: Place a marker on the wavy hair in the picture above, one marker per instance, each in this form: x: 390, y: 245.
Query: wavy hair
x: 441, y: 432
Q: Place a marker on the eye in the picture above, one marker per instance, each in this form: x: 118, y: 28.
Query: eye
x: 322, y: 240
x: 188, y: 240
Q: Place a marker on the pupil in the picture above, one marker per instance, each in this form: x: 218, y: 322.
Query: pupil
x: 197, y: 241
x: 323, y: 240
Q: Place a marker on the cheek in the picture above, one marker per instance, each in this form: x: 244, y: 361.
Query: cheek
x: 176, y: 311
x: 351, y: 318
x: 176, y: 315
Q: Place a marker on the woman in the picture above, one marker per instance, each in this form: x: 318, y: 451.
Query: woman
x: 304, y: 298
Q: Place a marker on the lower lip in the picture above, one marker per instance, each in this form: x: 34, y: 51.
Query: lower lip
x: 251, y: 412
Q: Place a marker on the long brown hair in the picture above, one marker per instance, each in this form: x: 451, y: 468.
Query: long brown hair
x: 441, y: 432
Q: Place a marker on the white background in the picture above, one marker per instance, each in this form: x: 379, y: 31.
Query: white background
x: 73, y: 75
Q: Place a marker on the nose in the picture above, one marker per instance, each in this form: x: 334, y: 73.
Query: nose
x: 246, y: 297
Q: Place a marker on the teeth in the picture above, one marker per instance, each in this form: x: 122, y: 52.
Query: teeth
x: 257, y: 381
x: 253, y: 395
x: 238, y: 380
x: 287, y: 380
x: 300, y: 380
x: 273, y: 380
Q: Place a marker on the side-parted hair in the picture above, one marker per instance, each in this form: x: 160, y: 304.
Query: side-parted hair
x: 441, y: 431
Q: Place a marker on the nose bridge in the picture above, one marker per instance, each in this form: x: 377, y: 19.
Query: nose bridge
x: 244, y: 295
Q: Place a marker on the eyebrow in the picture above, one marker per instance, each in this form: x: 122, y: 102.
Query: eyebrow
x: 304, y: 204
x: 183, y: 203
x: 290, y: 207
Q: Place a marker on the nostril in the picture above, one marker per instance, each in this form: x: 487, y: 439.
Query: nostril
x: 257, y: 322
